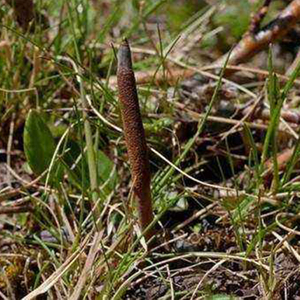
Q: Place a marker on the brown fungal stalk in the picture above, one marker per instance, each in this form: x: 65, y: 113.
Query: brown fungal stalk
x: 134, y: 137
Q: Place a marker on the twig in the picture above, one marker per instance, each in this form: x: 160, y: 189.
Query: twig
x: 15, y: 209
x: 275, y: 30
x: 195, y: 216
x: 257, y: 18
x: 195, y: 116
x: 158, y: 77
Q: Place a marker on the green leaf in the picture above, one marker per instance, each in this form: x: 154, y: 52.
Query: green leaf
x: 243, y: 208
x: 106, y: 172
x: 78, y: 170
x: 39, y: 145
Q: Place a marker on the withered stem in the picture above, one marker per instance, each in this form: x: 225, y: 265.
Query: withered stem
x: 252, y: 43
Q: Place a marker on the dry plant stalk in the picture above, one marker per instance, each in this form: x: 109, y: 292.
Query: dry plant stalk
x: 23, y: 10
x: 158, y: 77
x: 15, y: 209
x: 257, y: 18
x: 252, y: 43
x: 134, y: 137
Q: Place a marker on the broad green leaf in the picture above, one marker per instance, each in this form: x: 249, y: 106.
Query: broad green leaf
x: 39, y: 145
x: 78, y: 170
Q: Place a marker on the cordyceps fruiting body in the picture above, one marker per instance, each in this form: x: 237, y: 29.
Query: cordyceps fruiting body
x: 134, y: 137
